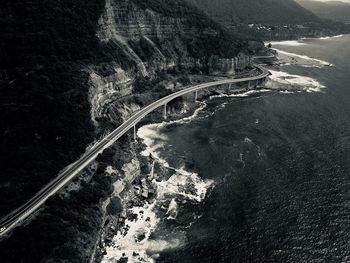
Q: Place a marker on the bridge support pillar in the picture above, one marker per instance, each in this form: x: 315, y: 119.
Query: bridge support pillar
x: 195, y: 96
x: 165, y: 111
x: 229, y: 86
x: 135, y: 135
x: 249, y: 85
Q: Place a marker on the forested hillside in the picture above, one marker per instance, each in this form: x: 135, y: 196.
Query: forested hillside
x: 256, y: 11
x: 269, y: 19
x: 44, y: 107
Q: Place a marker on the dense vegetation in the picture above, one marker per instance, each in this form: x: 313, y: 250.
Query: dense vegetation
x: 52, y: 235
x: 45, y: 122
x: 256, y: 11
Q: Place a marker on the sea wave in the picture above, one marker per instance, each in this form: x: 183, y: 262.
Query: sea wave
x: 293, y: 43
x: 303, y: 60
x: 125, y: 244
x: 242, y: 94
x: 300, y: 42
x: 284, y: 81
x: 182, y: 185
x: 325, y: 38
x: 333, y: 37
x: 155, y: 141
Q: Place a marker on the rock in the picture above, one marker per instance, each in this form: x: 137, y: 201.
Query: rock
x: 140, y: 237
x: 114, y: 207
x: 144, y: 193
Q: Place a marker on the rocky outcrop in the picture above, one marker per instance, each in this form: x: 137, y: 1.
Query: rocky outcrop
x: 229, y: 66
x: 103, y: 89
x: 155, y: 41
x: 124, y: 23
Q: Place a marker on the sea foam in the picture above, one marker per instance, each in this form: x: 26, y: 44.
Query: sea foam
x: 304, y: 60
x: 326, y: 38
x: 124, y: 243
x: 293, y: 43
x: 292, y: 82
x: 185, y: 184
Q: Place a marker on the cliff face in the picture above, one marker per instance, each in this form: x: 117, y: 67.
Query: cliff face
x: 127, y: 19
x: 229, y: 66
x: 154, y: 42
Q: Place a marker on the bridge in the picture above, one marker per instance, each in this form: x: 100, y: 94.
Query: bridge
x: 27, y: 209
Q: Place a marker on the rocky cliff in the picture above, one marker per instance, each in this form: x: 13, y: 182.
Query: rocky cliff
x: 154, y: 41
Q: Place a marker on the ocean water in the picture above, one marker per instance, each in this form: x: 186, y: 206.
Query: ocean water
x: 263, y: 176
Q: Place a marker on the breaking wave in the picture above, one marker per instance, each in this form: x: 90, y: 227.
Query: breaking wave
x: 289, y: 82
x: 293, y: 43
x: 181, y: 186
x: 302, y: 60
x: 326, y: 38
x: 300, y: 42
x: 186, y: 186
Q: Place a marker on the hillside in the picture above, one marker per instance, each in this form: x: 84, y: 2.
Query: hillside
x: 45, y: 68
x: 268, y: 19
x: 65, y: 67
x: 277, y: 12
x: 335, y: 10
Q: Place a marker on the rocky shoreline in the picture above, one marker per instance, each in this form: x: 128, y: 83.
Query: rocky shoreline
x: 137, y: 180
x: 143, y: 174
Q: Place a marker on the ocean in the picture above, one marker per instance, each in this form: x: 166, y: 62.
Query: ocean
x: 262, y: 176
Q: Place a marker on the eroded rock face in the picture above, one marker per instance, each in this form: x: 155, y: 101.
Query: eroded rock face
x: 103, y: 89
x: 126, y: 25
x: 229, y: 66
x: 126, y: 19
x: 151, y: 42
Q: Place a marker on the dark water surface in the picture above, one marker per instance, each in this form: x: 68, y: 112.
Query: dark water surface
x: 281, y: 164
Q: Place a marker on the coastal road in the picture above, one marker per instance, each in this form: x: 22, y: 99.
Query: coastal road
x: 27, y: 209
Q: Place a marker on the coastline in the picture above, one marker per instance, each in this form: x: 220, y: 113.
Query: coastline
x: 168, y: 181
x: 160, y: 175
x: 287, y: 41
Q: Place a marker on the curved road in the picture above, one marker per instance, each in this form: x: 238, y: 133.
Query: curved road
x: 20, y: 214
